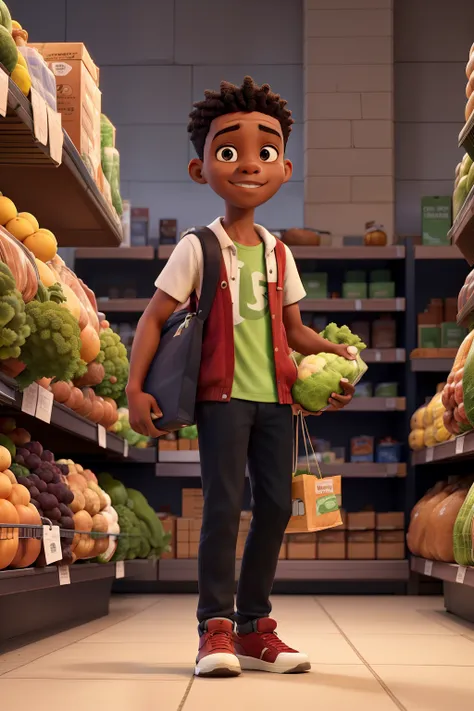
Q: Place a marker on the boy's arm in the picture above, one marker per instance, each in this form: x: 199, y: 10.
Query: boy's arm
x: 306, y: 341
x: 145, y: 345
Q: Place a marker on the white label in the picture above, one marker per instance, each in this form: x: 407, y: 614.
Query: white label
x: 64, y: 575
x: 459, y: 448
x: 400, y: 355
x: 60, y: 69
x: 102, y: 436
x: 324, y: 486
x: 378, y: 356
x: 429, y: 455
x: 30, y: 399
x: 44, y: 405
x: 120, y: 569
x: 55, y: 135
x: 52, y: 544
x: 400, y: 251
x: 358, y: 305
x: 461, y: 574
x: 125, y: 448
x: 40, y: 117
x: 399, y: 305
x: 428, y: 567
x: 391, y: 403
x: 3, y: 92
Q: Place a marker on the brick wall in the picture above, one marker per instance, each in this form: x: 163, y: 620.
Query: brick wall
x: 348, y: 91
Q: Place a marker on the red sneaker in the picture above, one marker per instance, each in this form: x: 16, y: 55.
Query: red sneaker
x: 216, y: 656
x: 263, y: 650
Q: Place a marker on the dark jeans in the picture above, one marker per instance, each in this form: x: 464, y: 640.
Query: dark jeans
x: 230, y: 434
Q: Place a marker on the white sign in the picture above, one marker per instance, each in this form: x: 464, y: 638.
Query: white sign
x: 30, y: 399
x: 461, y: 574
x: 44, y: 406
x: 429, y: 455
x: 391, y: 403
x: 120, y: 569
x: 40, y: 117
x: 52, y: 544
x: 56, y: 137
x: 428, y: 567
x: 378, y: 356
x: 125, y: 448
x: 64, y: 575
x: 358, y: 305
x: 102, y: 436
x: 459, y: 447
x: 3, y: 92
x: 400, y: 355
x: 400, y: 304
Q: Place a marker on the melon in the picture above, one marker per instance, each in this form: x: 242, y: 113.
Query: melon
x: 462, y: 533
x: 439, y: 531
x: 5, y: 17
x: 8, y: 48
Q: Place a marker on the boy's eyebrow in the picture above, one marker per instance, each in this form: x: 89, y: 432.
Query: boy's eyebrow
x: 267, y: 129
x: 235, y: 127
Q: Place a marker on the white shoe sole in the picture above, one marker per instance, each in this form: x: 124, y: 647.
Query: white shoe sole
x: 280, y: 666
x: 218, y: 665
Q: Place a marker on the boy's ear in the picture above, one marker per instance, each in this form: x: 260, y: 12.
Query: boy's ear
x: 288, y: 169
x: 195, y: 171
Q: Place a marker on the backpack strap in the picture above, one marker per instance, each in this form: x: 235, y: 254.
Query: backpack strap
x: 212, y: 258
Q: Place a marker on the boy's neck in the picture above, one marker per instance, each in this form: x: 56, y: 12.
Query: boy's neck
x: 239, y: 225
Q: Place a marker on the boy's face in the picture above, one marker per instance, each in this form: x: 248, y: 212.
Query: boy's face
x: 244, y: 159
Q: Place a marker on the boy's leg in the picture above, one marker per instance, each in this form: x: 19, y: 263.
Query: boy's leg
x: 270, y: 462
x: 270, y: 465
x: 224, y: 433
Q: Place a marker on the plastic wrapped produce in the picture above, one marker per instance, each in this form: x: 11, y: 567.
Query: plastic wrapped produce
x: 42, y: 78
x: 21, y: 263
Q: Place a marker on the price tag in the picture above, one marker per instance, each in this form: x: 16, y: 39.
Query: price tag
x: 120, y: 569
x: 429, y: 455
x: 400, y: 251
x: 400, y: 355
x: 56, y: 137
x: 378, y: 356
x: 125, y: 448
x: 400, y: 304
x: 30, y: 399
x: 52, y: 544
x: 40, y: 117
x: 358, y: 305
x: 391, y: 403
x: 102, y: 436
x: 461, y: 574
x: 3, y: 92
x: 64, y: 575
x: 44, y: 406
x: 428, y: 567
x: 459, y: 447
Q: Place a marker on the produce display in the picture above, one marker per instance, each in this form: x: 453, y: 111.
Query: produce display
x: 428, y: 423
x: 470, y: 85
x: 459, y: 384
x: 463, y: 182
x: 320, y: 375
x: 122, y: 429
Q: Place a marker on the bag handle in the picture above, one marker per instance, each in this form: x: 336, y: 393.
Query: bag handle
x: 212, y: 256
x: 308, y: 445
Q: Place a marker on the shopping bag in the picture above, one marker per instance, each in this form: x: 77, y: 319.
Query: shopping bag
x: 315, y: 499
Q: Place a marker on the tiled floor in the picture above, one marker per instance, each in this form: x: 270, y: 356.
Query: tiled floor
x: 368, y: 654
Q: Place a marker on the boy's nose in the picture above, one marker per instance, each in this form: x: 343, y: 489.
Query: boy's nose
x: 250, y: 168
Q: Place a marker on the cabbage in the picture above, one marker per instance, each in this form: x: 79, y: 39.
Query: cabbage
x: 320, y: 375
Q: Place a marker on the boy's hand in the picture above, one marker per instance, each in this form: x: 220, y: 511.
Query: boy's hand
x: 143, y: 409
x: 297, y: 409
x: 337, y: 401
x: 342, y: 350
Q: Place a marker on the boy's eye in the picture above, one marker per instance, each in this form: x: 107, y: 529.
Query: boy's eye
x: 269, y: 154
x: 227, y: 154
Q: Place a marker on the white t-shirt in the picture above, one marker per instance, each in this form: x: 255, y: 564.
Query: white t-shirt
x: 183, y: 272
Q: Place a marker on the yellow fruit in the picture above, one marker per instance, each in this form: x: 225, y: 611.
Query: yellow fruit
x: 20, y: 228
x: 8, y: 210
x: 72, y: 303
x: 21, y: 59
x: 43, y: 245
x: 22, y: 79
x: 416, y: 439
x: 417, y: 418
x: 16, y: 25
x: 430, y: 437
x: 46, y: 275
x: 31, y: 219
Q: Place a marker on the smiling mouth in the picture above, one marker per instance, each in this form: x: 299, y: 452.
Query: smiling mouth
x: 249, y: 186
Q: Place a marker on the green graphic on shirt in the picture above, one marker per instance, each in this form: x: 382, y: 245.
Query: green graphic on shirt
x: 254, y: 375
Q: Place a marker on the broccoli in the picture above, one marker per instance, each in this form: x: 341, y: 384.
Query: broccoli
x: 113, y: 356
x: 14, y: 329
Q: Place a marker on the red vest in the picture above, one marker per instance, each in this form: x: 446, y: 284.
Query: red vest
x: 217, y: 363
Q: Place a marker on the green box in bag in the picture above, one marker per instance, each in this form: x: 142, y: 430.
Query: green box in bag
x: 436, y: 220
x: 316, y: 285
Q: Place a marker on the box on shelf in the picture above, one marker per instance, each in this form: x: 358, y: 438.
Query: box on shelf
x: 184, y: 445
x: 361, y: 521
x: 361, y: 545
x: 452, y: 335
x: 450, y: 310
x: 168, y: 231
x: 362, y: 449
x: 331, y: 545
x: 168, y: 445
x: 390, y: 545
x: 192, y: 503
x: 301, y: 551
x: 384, y: 332
x: 388, y: 452
x: 388, y: 390
x: 354, y: 290
x: 382, y: 290
x: 362, y: 328
x: 316, y: 285
x: 429, y: 336
x: 390, y: 521
x: 364, y: 390
x: 139, y: 226
x: 436, y: 220
x: 283, y: 551
x: 78, y: 97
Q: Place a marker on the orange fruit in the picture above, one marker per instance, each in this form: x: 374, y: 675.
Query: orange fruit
x: 31, y: 219
x: 7, y: 210
x: 43, y: 244
x: 20, y: 228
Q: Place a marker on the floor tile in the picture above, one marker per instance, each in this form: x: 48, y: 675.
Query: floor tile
x: 440, y: 650
x: 325, y: 687
x: 420, y: 688
x: 116, y: 695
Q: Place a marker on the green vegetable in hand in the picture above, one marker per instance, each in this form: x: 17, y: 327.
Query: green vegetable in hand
x: 113, y: 356
x: 14, y: 329
x: 53, y: 348
x: 342, y: 335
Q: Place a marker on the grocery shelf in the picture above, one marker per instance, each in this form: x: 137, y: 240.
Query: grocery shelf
x: 424, y: 251
x: 347, y: 305
x: 462, y: 231
x: 441, y: 360
x: 460, y: 447
x: 384, y: 355
x: 376, y: 404
x: 449, y: 572
x: 327, y: 253
x: 300, y: 570
x: 136, y: 253
x: 122, y: 305
x: 81, y: 216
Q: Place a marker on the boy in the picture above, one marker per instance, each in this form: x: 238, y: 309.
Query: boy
x: 244, y: 408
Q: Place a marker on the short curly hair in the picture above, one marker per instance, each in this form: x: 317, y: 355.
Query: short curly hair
x: 232, y: 99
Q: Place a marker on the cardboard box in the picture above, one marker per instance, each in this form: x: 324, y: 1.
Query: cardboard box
x: 168, y: 445
x: 361, y: 545
x: 184, y: 445
x: 301, y: 551
x: 192, y: 503
x: 362, y: 449
x: 301, y: 538
x: 361, y: 521
x: 78, y: 96
x: 182, y: 549
x: 393, y: 520
x: 193, y: 549
x: 391, y: 545
x: 139, y: 226
x: 283, y: 552
x: 436, y: 220
x: 331, y: 545
x: 194, y: 445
